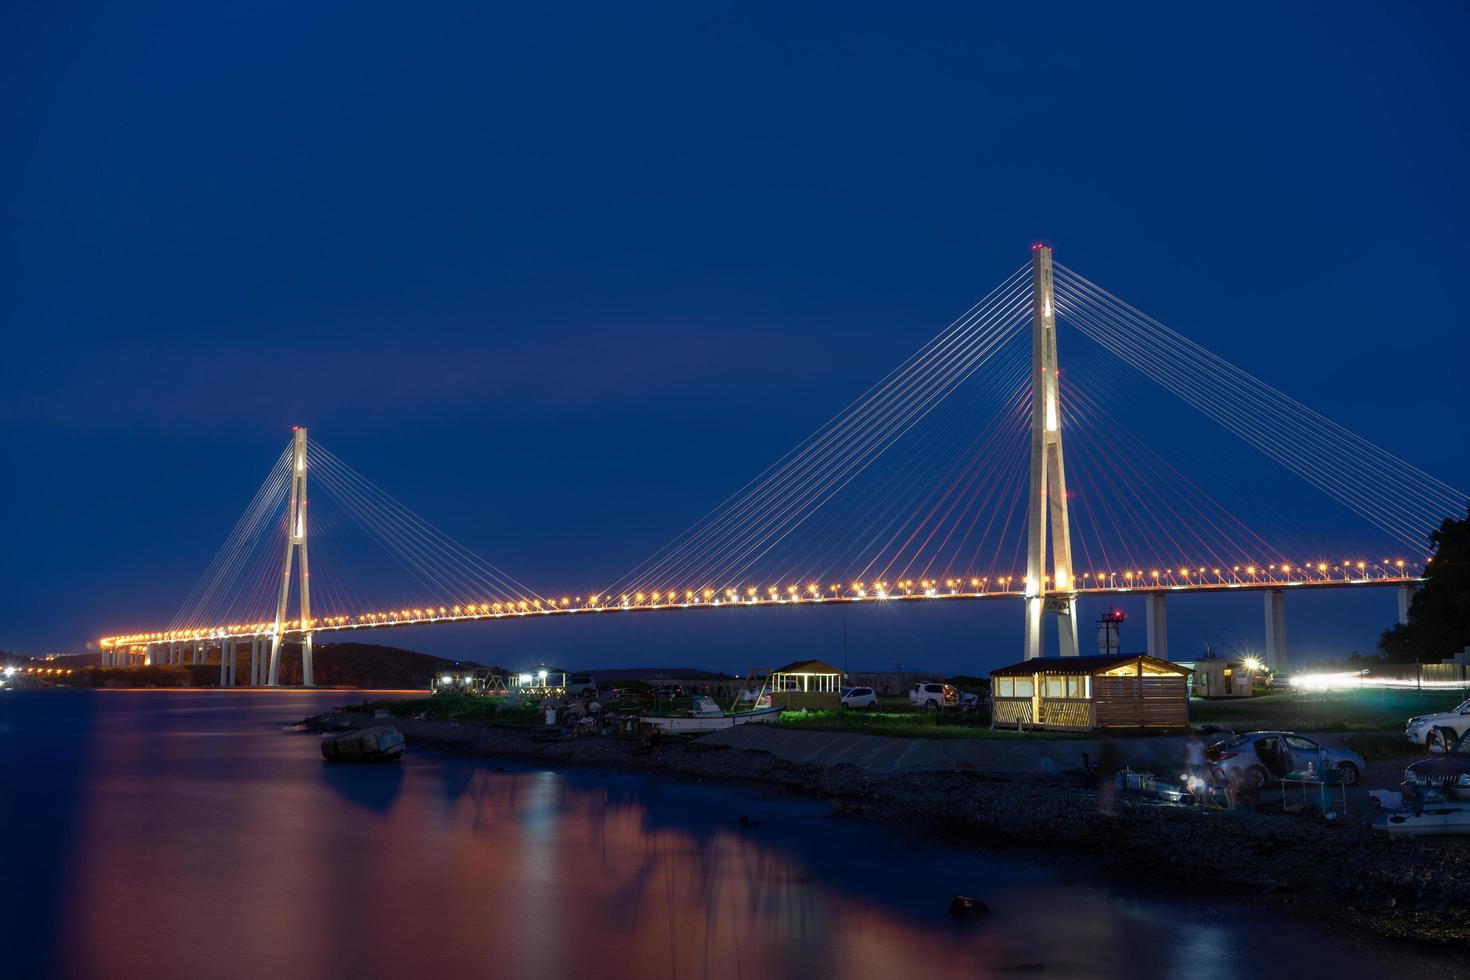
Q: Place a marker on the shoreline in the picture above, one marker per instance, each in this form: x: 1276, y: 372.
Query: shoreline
x: 1403, y: 889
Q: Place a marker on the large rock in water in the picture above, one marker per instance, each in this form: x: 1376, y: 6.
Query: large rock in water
x: 383, y: 743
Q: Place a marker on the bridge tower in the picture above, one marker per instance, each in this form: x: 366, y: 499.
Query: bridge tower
x: 1048, y: 500
x: 295, y: 541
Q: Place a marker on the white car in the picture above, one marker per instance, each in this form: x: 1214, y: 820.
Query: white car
x: 933, y: 696
x: 1431, y: 729
x: 859, y: 697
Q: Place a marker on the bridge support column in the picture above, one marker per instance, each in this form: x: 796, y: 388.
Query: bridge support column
x: 273, y: 671
x: 1276, y: 656
x: 234, y: 657
x: 1406, y: 596
x: 1158, y: 626
x: 224, y: 662
x: 1048, y: 492
x: 295, y: 544
x: 255, y: 661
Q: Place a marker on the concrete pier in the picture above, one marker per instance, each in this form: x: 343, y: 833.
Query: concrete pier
x: 1158, y: 626
x: 1276, y: 655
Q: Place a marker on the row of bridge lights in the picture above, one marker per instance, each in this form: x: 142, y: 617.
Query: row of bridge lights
x: 1307, y: 571
x: 1199, y: 575
x: 752, y: 595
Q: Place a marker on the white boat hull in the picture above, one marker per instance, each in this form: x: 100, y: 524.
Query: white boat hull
x: 699, y: 725
x: 1435, y: 819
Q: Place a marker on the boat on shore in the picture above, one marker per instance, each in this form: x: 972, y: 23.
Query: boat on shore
x: 707, y: 716
x: 1428, y: 820
x: 382, y: 743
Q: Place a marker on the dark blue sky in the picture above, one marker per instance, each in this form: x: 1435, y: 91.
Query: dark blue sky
x: 562, y: 277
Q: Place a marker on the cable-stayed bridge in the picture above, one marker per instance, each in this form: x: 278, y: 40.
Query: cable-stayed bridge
x: 947, y: 480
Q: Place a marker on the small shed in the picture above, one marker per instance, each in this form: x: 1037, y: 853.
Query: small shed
x: 1218, y: 677
x: 806, y: 684
x: 1086, y: 693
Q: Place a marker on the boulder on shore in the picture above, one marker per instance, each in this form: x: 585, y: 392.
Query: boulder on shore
x: 383, y: 743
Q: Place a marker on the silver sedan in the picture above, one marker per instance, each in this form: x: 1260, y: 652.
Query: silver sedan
x: 1261, y: 757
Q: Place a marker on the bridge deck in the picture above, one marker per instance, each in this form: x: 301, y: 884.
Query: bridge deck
x: 340, y: 624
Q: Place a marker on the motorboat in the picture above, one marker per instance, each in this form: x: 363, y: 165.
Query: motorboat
x: 381, y: 743
x: 707, y: 716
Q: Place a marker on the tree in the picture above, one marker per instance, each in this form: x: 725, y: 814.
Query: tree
x: 1439, y: 615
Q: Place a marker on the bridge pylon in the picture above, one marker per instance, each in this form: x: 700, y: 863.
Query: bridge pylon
x: 1048, y: 497
x: 295, y: 541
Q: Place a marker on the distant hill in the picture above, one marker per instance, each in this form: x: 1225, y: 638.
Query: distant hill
x: 362, y: 665
x: 640, y: 673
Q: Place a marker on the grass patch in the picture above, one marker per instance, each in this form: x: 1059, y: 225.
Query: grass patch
x: 1376, y: 746
x: 1334, y: 711
x: 910, y: 724
x: 458, y: 707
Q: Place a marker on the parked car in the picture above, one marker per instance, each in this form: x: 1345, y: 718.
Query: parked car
x: 933, y: 696
x: 581, y: 685
x: 859, y: 697
x: 1447, y: 770
x: 1441, y: 729
x: 1263, y: 756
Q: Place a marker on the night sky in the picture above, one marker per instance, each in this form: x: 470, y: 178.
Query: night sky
x: 562, y: 277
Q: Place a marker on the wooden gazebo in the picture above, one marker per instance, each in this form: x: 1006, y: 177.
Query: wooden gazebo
x: 1085, y: 693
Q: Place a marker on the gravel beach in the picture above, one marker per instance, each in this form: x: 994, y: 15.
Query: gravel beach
x: 1418, y: 889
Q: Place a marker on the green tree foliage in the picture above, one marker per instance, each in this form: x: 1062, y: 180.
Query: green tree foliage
x: 1439, y: 616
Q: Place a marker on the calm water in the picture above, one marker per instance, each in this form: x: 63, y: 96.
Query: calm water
x: 185, y: 835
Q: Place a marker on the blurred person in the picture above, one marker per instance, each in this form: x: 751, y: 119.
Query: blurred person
x: 1196, y: 767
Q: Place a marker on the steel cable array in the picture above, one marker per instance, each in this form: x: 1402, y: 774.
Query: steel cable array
x: 1401, y: 499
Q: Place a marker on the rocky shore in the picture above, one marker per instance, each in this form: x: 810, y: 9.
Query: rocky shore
x: 1416, y: 889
